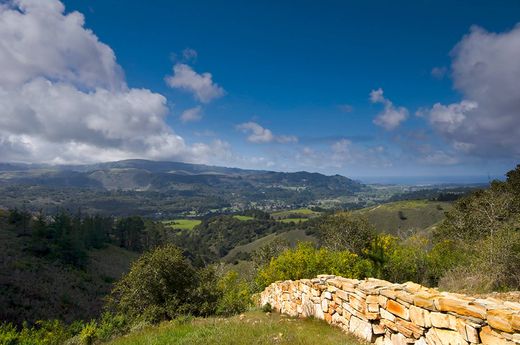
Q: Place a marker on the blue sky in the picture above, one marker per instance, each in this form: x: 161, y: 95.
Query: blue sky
x: 344, y: 87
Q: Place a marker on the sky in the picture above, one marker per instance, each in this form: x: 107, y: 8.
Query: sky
x: 362, y: 89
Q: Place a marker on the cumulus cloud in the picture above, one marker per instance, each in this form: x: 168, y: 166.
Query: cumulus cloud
x: 486, y: 70
x: 391, y: 117
x: 259, y: 134
x: 346, y: 108
x: 192, y: 114
x: 200, y: 85
x: 64, y: 98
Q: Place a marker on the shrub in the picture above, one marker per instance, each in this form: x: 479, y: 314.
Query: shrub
x: 159, y: 286
x: 235, y: 295
x: 305, y: 261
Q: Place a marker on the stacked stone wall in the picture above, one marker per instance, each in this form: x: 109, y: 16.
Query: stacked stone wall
x: 397, y: 314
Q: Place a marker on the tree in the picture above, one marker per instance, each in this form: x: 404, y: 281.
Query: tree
x: 158, y: 287
x: 344, y: 230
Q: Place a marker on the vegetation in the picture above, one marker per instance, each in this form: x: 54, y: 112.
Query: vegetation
x: 180, y: 275
x: 249, y: 328
x: 182, y: 224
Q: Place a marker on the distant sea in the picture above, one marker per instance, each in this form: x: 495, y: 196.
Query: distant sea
x: 428, y: 180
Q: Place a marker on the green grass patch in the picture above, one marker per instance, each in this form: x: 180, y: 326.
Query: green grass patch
x: 251, y: 328
x: 182, y: 224
x: 240, y: 217
x: 292, y: 220
x: 299, y: 211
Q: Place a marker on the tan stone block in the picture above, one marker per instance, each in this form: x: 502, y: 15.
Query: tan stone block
x: 501, y: 319
x: 389, y: 293
x: 357, y: 303
x: 398, y: 309
x: 441, y: 320
x: 515, y: 321
x: 372, y: 299
x: 382, y: 300
x: 386, y: 315
x: 490, y: 337
x: 436, y: 336
x: 461, y: 307
x: 420, y: 316
x: 405, y: 297
x: 424, y: 300
x: 373, y: 308
x: 378, y: 329
x: 361, y: 328
x: 388, y: 324
x: 409, y: 329
x: 342, y: 295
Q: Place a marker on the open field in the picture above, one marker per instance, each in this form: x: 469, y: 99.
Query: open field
x: 300, y: 211
x: 403, y: 217
x: 240, y: 217
x: 249, y: 328
x: 290, y: 220
x: 182, y: 224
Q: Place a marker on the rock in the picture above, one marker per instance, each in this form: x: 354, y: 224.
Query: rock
x: 501, y: 320
x: 398, y: 309
x: 360, y: 328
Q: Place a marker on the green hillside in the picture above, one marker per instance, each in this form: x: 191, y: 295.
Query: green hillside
x: 250, y: 328
x: 292, y: 236
x: 33, y: 288
x: 405, y: 217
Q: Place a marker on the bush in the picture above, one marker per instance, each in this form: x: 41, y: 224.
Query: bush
x: 43, y: 333
x: 159, y: 286
x: 305, y: 261
x: 235, y: 295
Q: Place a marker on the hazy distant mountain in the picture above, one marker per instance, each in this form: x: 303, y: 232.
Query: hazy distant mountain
x: 175, y: 181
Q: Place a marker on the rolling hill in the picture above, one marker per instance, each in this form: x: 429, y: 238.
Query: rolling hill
x: 158, y: 188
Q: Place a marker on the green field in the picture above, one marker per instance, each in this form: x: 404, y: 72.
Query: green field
x: 300, y: 211
x: 240, y: 217
x: 291, y: 220
x: 249, y: 328
x: 182, y: 224
x: 406, y: 217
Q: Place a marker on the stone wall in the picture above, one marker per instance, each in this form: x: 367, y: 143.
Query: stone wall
x: 386, y: 313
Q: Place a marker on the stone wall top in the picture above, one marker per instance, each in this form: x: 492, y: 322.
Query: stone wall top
x: 387, y: 313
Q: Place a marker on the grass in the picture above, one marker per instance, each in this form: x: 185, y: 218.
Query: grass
x: 406, y: 217
x: 182, y: 224
x: 292, y: 236
x: 290, y: 220
x: 250, y: 328
x: 299, y: 211
x: 240, y: 217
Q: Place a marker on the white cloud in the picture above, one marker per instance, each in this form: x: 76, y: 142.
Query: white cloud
x: 64, y: 97
x: 259, y: 134
x: 391, y: 117
x: 486, y: 70
x: 439, y: 157
x: 192, y: 114
x: 200, y: 85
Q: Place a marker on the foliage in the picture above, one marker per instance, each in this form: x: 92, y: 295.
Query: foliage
x: 235, y: 295
x: 344, y: 230
x: 306, y: 261
x: 159, y: 286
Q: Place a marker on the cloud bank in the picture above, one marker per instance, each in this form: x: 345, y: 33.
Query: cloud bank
x: 64, y: 98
